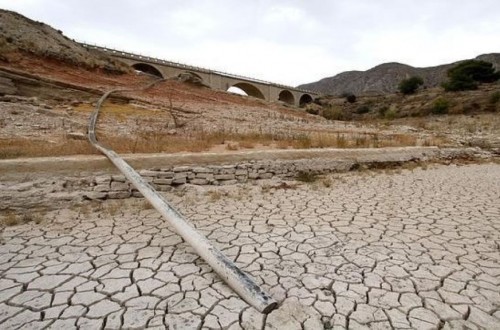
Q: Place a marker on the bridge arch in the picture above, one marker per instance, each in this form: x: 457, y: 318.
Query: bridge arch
x: 305, y: 99
x: 286, y: 96
x: 147, y: 68
x: 250, y: 90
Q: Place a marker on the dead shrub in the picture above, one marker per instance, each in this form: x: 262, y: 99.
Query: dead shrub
x: 327, y: 182
x: 11, y: 219
x: 306, y: 176
x: 232, y: 146
x: 333, y: 113
x: 214, y: 195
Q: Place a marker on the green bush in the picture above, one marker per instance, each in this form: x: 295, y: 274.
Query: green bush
x: 410, y: 85
x: 382, y: 110
x: 363, y: 109
x: 462, y: 84
x: 440, y: 106
x: 467, y: 75
x: 350, y: 97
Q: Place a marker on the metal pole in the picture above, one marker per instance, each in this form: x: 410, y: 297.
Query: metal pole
x: 243, y: 284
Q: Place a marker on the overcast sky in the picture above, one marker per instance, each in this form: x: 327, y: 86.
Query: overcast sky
x: 285, y: 41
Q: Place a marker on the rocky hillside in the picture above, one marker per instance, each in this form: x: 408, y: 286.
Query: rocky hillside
x: 19, y: 34
x: 385, y: 78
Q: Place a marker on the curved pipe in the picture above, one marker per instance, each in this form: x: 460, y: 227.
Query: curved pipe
x: 238, y: 280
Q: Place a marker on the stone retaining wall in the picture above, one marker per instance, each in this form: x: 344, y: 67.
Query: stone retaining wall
x: 163, y: 179
x: 56, y: 191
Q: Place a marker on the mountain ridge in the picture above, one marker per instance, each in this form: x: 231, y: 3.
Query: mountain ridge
x: 385, y: 78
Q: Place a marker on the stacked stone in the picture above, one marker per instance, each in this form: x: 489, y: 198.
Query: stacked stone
x: 211, y: 175
x: 163, y: 179
x: 112, y: 187
x: 117, y: 187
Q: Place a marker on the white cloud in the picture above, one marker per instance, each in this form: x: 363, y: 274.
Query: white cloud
x: 260, y: 59
x: 191, y: 24
x: 283, y: 14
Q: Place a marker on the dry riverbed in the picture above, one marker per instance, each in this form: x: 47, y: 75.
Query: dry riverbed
x: 387, y: 249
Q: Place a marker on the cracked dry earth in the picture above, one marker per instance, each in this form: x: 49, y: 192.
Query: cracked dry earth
x: 401, y: 249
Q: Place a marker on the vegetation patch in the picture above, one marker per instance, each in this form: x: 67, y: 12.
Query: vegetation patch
x: 349, y: 97
x: 494, y: 98
x: 11, y: 218
x: 410, y: 85
x: 308, y: 177
x: 363, y: 109
x: 467, y: 75
x: 440, y: 106
x: 334, y: 113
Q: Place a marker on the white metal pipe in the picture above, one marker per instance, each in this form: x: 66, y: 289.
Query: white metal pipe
x: 243, y: 284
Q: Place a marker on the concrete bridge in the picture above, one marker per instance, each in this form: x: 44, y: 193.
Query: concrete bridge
x: 214, y: 79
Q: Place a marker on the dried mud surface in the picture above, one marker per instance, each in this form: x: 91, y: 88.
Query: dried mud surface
x: 396, y: 250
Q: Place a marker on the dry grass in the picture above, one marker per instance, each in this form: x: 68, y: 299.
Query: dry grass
x: 214, y: 195
x: 327, y: 181
x: 138, y: 204
x: 146, y: 205
x: 10, y: 219
x: 247, y: 144
x: 232, y: 146
x: 84, y: 210
x: 411, y: 166
x: 18, y: 147
x: 241, y: 194
x: 485, y: 122
x: 265, y: 188
x: 158, y: 142
x: 38, y: 218
x: 307, y: 177
x: 117, y: 111
x: 154, y: 136
x: 113, y: 207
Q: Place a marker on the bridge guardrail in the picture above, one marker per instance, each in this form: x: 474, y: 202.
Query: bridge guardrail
x: 187, y: 66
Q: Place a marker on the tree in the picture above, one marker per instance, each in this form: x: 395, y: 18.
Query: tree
x: 467, y: 75
x: 350, y: 97
x: 410, y: 85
